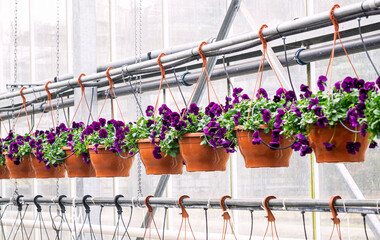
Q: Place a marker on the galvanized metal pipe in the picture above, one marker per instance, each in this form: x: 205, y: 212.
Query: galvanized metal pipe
x: 309, y: 205
x: 281, y: 28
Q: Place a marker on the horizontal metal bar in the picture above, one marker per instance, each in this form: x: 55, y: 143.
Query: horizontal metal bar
x: 308, y: 55
x: 281, y: 28
x: 308, y: 205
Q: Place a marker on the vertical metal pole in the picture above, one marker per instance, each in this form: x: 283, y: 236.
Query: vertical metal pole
x: 223, y: 33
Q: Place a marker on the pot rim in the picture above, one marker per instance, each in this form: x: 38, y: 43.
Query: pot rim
x: 92, y: 146
x: 240, y: 127
x: 193, y: 135
x: 148, y: 140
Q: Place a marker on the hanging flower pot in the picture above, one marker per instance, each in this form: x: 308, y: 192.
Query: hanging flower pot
x: 108, y: 164
x: 165, y: 165
x: 47, y: 172
x: 22, y: 170
x: 343, y: 147
x: 260, y: 155
x: 199, y: 157
x: 76, y: 166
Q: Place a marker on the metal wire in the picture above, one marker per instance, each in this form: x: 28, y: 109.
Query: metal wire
x: 365, y: 47
x: 304, y: 224
x: 365, y: 225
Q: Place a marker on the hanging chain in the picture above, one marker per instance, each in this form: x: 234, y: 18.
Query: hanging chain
x: 57, y: 52
x: 15, y: 56
x: 57, y: 188
x: 138, y: 54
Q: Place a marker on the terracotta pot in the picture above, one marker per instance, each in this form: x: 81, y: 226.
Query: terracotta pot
x: 76, y: 167
x: 165, y: 165
x: 23, y: 170
x: 339, y: 153
x: 201, y: 157
x: 4, y: 173
x: 42, y: 172
x: 257, y: 156
x: 109, y: 164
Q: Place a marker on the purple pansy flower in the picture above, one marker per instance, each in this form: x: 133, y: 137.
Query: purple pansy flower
x: 321, y: 82
x: 149, y: 111
x: 322, y: 121
x: 256, y: 138
x: 328, y: 146
x: 373, y: 144
x: 266, y: 115
x: 353, y: 147
x: 103, y: 133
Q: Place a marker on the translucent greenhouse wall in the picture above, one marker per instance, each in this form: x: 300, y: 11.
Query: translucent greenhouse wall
x: 186, y: 21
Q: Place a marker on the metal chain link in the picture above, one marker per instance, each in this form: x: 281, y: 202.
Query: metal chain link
x: 138, y: 54
x: 15, y: 56
x: 57, y: 49
x: 57, y: 187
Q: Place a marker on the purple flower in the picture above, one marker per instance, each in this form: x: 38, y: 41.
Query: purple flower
x: 290, y: 96
x: 180, y: 125
x: 358, y: 83
x: 266, y: 115
x: 163, y: 110
x: 245, y: 97
x: 256, y: 138
x: 236, y: 92
x: 363, y: 95
x: 328, y: 146
x: 352, y: 118
x: 95, y: 148
x: 70, y: 137
x: 306, y: 91
x: 262, y: 92
x: 280, y: 111
x: 96, y: 126
x: 149, y: 111
x: 347, y: 84
x: 149, y: 123
x: 369, y: 86
x: 378, y: 82
x: 296, y: 111
x: 102, y: 122
x: 32, y: 143
x: 274, y: 145
x: 321, y: 82
x: 313, y: 102
x: 337, y: 85
x: 157, y: 152
x: 363, y: 129
x: 318, y: 111
x: 322, y: 121
x: 50, y: 138
x: 20, y: 138
x: 306, y: 150
x: 236, y: 118
x: 373, y: 144
x: 353, y: 147
x: 194, y: 109
x: 103, y: 133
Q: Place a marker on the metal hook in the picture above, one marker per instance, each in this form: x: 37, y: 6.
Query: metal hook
x: 335, y: 218
x: 270, y: 216
x: 61, y: 206
x: 80, y: 82
x: 117, y: 204
x: 180, y: 202
x: 22, y: 95
x: 19, y: 204
x: 225, y: 214
x: 47, y: 89
x: 86, y: 206
x: 150, y: 209
x: 38, y: 206
x: 109, y: 77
